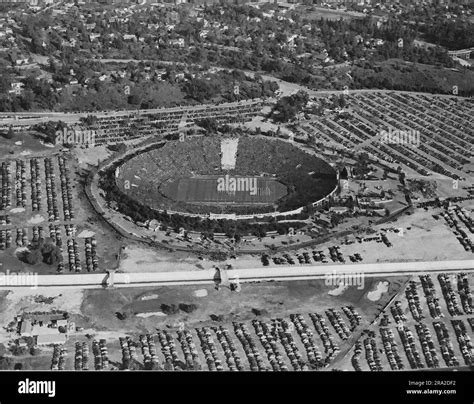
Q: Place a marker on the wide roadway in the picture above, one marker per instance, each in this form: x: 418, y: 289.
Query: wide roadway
x: 261, y: 274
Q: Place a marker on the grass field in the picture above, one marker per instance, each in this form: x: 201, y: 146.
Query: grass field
x: 205, y: 190
x: 275, y: 299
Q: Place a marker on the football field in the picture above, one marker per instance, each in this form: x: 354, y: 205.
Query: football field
x: 206, y: 190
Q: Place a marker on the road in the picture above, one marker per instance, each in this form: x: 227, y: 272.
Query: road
x: 261, y: 274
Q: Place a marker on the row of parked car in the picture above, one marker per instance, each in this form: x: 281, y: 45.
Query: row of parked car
x: 306, y: 258
x: 355, y: 359
x: 331, y: 348
x: 58, y: 361
x: 411, y: 351
x: 150, y: 358
x: 397, y: 312
x: 338, y: 323
x: 391, y: 349
x: 371, y: 354
x: 455, y: 224
x: 354, y: 317
x: 35, y: 183
x: 5, y: 239
x: 51, y: 195
x: 464, y: 216
x: 446, y: 346
x: 6, y: 186
x: 168, y: 349
x: 427, y: 345
x: 270, y: 344
x: 74, y: 256
x: 209, y: 349
x: 66, y: 189
x: 101, y: 359
x: 283, y: 329
x: 464, y: 341
x: 471, y: 322
x: 92, y: 260
x: 232, y: 357
x: 20, y: 183
x: 449, y: 295
x: 432, y: 300
x: 313, y: 353
x: 250, y: 348
x: 55, y: 235
x: 129, y: 352
x: 81, y: 357
x: 414, y: 301
x: 465, y: 292
x: 70, y: 230
x: 21, y: 237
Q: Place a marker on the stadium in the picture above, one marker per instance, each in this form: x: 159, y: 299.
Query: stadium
x: 224, y: 177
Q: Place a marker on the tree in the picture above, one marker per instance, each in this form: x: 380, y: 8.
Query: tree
x: 35, y: 351
x: 209, y: 124
x: 51, y: 254
x: 287, y: 108
x: 33, y: 257
x: 187, y: 308
x: 10, y: 134
x: 6, y: 363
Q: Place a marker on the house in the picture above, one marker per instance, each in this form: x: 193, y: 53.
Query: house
x: 62, y: 323
x: 16, y: 88
x: 26, y: 328
x: 178, y: 42
x: 358, y: 39
x: 322, y: 219
x: 21, y: 60
x: 339, y: 209
x: 160, y: 73
x: 154, y: 224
